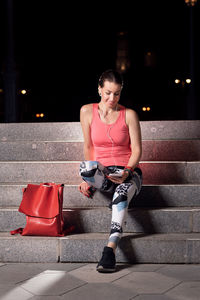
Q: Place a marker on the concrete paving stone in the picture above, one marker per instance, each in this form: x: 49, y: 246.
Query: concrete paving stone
x: 46, y: 298
x: 11, y: 292
x: 147, y: 282
x: 153, y: 297
x: 1, y: 265
x: 144, y: 267
x: 89, y: 274
x: 59, y: 266
x: 18, y: 272
x: 99, y: 291
x: 181, y: 272
x: 186, y: 290
x: 51, y: 283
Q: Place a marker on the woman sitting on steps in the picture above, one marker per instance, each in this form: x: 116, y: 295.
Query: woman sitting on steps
x: 112, y: 151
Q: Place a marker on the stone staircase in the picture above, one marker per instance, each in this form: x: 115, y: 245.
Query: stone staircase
x: 163, y: 225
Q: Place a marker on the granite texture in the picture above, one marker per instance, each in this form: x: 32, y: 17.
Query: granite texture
x: 172, y: 150
x: 28, y: 249
x: 162, y: 226
x: 65, y: 131
x: 61, y: 131
x: 168, y: 195
x: 175, y: 130
x: 171, y: 172
x: 26, y: 172
x: 172, y: 220
x: 133, y: 248
x: 150, y: 196
x: 68, y: 172
x: 41, y: 151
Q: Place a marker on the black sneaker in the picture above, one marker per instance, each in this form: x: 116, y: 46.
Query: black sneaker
x: 107, y: 262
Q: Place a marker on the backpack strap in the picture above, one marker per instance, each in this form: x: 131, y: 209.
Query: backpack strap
x: 16, y: 231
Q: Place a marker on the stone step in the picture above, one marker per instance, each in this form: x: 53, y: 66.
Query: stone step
x: 143, y: 220
x: 68, y: 172
x: 187, y: 150
x: 158, y: 130
x: 150, y: 196
x: 133, y: 248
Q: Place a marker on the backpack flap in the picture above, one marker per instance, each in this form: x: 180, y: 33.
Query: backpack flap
x: 41, y: 201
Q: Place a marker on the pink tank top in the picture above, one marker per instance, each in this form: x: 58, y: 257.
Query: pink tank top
x: 111, y: 142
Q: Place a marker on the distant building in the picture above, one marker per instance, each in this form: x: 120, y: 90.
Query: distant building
x: 123, y: 57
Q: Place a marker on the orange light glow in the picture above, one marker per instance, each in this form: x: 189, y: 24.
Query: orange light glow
x: 23, y: 92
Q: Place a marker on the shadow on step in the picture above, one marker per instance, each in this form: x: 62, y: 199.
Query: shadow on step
x: 97, y: 219
x: 143, y: 223
x: 126, y: 247
x: 153, y: 196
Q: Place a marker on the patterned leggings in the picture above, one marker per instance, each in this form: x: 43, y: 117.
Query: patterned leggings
x: 95, y: 173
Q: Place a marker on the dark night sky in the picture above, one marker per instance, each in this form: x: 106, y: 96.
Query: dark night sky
x: 61, y: 48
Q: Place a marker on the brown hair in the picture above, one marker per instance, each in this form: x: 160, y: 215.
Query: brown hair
x: 112, y: 76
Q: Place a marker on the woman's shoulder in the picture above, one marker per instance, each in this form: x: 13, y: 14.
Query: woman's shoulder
x: 131, y: 114
x: 87, y: 108
x: 129, y: 111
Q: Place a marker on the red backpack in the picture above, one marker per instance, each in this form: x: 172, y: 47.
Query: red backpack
x: 42, y: 204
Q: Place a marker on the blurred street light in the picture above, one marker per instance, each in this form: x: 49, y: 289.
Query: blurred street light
x: 182, y: 82
x: 146, y: 108
x: 23, y: 92
x: 41, y: 115
x: 191, y: 2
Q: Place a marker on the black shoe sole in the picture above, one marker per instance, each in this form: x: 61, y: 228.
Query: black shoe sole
x: 101, y: 269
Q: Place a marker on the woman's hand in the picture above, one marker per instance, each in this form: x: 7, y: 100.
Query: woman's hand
x: 119, y: 180
x: 84, y: 189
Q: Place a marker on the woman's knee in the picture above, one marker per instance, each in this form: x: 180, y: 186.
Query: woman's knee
x: 88, y: 168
